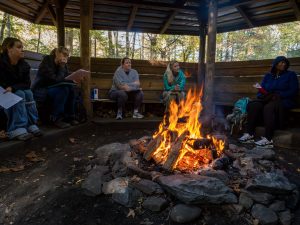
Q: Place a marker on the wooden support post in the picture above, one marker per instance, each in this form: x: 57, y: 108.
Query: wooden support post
x: 211, y: 53
x: 60, y: 24
x: 85, y: 59
x: 201, y: 65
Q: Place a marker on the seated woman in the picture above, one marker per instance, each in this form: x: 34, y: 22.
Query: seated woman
x: 51, y: 80
x: 126, y: 85
x: 174, y: 82
x: 276, y: 95
x: 15, y: 77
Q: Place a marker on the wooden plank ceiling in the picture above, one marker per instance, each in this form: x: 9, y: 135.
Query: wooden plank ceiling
x: 159, y: 16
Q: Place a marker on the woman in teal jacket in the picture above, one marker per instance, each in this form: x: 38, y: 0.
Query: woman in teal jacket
x: 174, y: 82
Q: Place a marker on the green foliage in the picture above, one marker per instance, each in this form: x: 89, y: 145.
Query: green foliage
x: 251, y: 44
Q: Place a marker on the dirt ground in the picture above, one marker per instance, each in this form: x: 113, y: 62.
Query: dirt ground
x: 48, y: 190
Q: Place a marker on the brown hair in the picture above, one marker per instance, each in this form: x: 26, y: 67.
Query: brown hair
x: 8, y: 43
x: 123, y: 60
x: 60, y: 49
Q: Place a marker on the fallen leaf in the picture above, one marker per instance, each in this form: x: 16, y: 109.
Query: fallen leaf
x: 31, y: 156
x: 298, y: 170
x: 72, y: 140
x: 76, y: 159
x: 131, y: 213
x: 11, y: 169
x: 4, y: 169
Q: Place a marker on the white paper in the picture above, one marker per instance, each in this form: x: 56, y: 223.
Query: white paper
x: 8, y: 99
x: 78, y: 75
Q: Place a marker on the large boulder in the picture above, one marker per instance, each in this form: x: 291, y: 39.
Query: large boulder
x: 196, y: 189
x: 260, y: 153
x: 148, y: 187
x: 155, y: 204
x: 273, y: 182
x: 115, y: 150
x: 265, y: 215
x: 184, y: 213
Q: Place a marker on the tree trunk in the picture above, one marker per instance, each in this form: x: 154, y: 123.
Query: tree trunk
x: 116, y: 44
x: 133, y: 45
x: 110, y: 45
x: 69, y: 39
x: 4, y: 21
x: 39, y: 39
x: 142, y: 46
x: 95, y: 47
x: 127, y: 43
x: 8, y: 26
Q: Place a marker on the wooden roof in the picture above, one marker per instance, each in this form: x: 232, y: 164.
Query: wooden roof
x: 159, y: 16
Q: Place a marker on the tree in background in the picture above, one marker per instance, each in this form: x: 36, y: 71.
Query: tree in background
x: 251, y: 44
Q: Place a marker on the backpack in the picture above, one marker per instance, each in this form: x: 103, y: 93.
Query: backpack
x: 239, y: 114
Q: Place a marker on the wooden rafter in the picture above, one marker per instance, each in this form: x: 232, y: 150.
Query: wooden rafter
x: 132, y: 17
x: 295, y: 7
x: 42, y: 12
x: 172, y: 16
x: 245, y: 16
x: 52, y: 14
x: 18, y: 4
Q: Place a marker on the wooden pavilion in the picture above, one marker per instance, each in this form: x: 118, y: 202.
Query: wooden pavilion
x: 186, y: 17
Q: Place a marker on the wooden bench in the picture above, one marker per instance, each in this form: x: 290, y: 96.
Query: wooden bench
x: 234, y: 80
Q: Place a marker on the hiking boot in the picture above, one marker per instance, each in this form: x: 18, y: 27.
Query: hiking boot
x: 264, y: 143
x: 61, y: 124
x: 24, y: 137
x: 246, y: 138
x: 137, y: 115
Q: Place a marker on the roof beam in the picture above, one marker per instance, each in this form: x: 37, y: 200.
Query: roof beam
x: 42, y: 12
x: 22, y: 6
x: 132, y: 17
x: 52, y: 14
x: 245, y: 16
x: 172, y: 16
x: 295, y: 7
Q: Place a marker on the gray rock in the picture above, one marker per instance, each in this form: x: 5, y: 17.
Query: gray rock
x: 119, y: 170
x: 195, y: 189
x: 270, y: 182
x: 285, y: 217
x: 245, y: 201
x: 106, y: 151
x: 117, y: 185
x: 291, y: 201
x: 129, y: 197
x: 246, y: 165
x: 148, y: 187
x: 264, y: 198
x: 92, y: 185
x: 221, y: 163
x: 265, y: 215
x: 266, y: 163
x: 260, y: 153
x: 232, y: 209
x: 184, y: 213
x: 277, y: 206
x: 220, y: 174
x: 127, y: 158
x: 155, y: 204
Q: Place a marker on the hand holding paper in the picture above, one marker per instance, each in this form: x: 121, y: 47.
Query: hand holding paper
x: 78, y: 75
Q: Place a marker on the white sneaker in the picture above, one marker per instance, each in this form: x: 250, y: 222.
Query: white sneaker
x: 246, y: 138
x: 137, y: 115
x: 119, y: 116
x: 264, y: 143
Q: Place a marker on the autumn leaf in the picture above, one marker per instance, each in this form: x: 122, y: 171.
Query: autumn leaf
x: 72, y: 140
x: 31, y: 156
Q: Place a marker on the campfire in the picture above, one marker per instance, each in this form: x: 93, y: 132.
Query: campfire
x: 179, y: 143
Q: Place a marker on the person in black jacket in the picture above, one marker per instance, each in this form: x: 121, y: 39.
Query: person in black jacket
x: 15, y: 77
x: 51, y: 80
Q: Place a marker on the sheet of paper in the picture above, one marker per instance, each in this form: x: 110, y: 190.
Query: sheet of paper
x: 78, y: 75
x: 8, y: 99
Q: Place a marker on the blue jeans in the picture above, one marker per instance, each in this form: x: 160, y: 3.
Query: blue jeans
x: 62, y: 99
x: 22, y: 117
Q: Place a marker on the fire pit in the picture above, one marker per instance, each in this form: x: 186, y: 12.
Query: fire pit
x: 179, y: 143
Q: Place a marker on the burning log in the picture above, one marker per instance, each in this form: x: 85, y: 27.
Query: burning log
x: 201, y: 143
x: 175, y: 152
x: 152, y: 146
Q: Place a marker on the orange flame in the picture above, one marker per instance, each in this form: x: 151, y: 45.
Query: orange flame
x: 184, y: 117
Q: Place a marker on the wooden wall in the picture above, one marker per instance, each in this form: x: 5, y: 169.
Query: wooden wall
x: 232, y: 79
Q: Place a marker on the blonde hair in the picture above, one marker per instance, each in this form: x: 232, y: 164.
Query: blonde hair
x: 60, y: 49
x: 169, y: 72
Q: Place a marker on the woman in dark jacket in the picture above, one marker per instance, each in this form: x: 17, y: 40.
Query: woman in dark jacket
x: 51, y: 80
x: 276, y: 95
x: 15, y: 78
